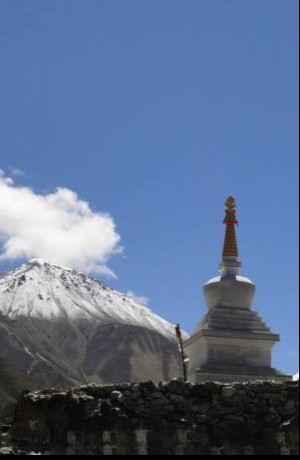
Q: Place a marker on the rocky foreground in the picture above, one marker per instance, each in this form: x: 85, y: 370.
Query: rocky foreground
x: 176, y: 418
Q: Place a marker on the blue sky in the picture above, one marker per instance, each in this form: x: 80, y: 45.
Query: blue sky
x: 154, y: 111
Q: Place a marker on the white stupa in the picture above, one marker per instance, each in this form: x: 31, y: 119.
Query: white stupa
x: 232, y: 343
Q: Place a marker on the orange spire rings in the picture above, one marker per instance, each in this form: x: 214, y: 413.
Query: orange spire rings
x: 230, y: 249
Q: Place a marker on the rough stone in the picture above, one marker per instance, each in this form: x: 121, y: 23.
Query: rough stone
x: 65, y: 422
x: 228, y: 392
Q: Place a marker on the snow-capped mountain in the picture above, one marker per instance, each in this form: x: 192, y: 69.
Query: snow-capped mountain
x: 42, y: 290
x: 61, y: 327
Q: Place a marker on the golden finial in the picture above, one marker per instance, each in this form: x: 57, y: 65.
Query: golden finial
x: 230, y: 202
x: 230, y: 211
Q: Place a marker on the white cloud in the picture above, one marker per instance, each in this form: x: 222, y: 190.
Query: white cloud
x: 139, y: 299
x: 58, y: 227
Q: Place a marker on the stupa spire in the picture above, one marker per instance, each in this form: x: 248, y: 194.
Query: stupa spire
x: 230, y: 264
x: 230, y: 249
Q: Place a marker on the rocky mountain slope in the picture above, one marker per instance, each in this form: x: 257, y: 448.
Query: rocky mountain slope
x: 59, y: 327
x: 12, y: 382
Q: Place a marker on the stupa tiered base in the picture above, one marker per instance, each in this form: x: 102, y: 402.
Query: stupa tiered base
x: 228, y: 376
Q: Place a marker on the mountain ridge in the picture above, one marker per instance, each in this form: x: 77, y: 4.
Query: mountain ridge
x: 44, y: 297
x: 61, y: 327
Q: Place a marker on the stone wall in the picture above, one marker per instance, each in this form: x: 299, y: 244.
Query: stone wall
x: 176, y: 418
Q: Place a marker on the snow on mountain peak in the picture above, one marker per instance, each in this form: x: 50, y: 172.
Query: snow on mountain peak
x: 37, y: 261
x: 40, y: 289
x: 42, y: 263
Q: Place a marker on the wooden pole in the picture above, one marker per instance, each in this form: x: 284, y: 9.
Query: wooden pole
x: 178, y: 335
